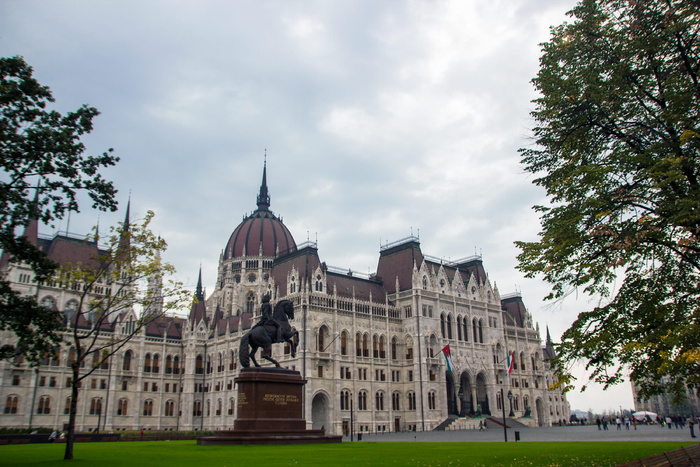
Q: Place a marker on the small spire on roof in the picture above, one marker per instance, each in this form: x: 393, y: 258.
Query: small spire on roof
x: 264, y: 195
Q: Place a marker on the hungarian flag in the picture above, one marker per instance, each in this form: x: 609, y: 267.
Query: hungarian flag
x: 510, y: 361
x: 448, y: 358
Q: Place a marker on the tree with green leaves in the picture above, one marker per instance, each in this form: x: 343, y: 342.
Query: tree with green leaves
x: 617, y: 140
x: 44, y: 169
x: 123, y: 289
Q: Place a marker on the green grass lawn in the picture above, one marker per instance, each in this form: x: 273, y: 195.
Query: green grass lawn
x: 188, y: 453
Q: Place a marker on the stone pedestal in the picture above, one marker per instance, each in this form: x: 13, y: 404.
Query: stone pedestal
x: 270, y: 411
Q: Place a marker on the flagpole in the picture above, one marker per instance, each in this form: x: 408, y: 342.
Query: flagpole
x: 503, y: 408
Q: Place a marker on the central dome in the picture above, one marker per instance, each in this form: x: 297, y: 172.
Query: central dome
x: 262, y: 233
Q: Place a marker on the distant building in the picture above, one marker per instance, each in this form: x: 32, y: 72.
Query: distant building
x: 663, y: 404
x: 370, y: 345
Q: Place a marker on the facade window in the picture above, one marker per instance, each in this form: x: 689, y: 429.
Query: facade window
x: 126, y: 365
x: 169, y: 408
x: 344, y: 343
x: 95, y: 406
x: 411, y: 400
x: 11, y: 404
x: 168, y: 365
x: 396, y: 401
x: 199, y: 365
x: 44, y: 405
x: 431, y: 400
x: 156, y: 363
x: 123, y: 407
x: 148, y: 408
x: 66, y: 407
x: 362, y: 400
x: 147, y: 363
x: 345, y: 400
x: 197, y: 409
x: 379, y: 400
x: 176, y: 365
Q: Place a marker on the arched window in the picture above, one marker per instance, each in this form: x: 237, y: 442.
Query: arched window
x: 358, y: 345
x: 176, y: 365
x: 44, y: 405
x: 522, y: 361
x: 449, y: 326
x: 168, y: 365
x: 382, y: 345
x: 481, y: 331
x: 411, y: 396
x: 199, y: 366
x: 148, y: 408
x: 147, y: 363
x: 169, y: 408
x: 123, y: 407
x: 442, y: 325
x: 459, y: 328
x: 250, y: 303
x: 218, y: 407
x: 379, y: 400
x: 425, y: 283
x: 362, y: 400
x: 475, y: 329
x: 375, y: 346
x: 394, y: 345
x: 96, y: 406
x: 11, y: 404
x: 128, y: 355
x: 323, y: 335
x: 232, y: 363
x: 231, y: 405
x: 344, y: 400
x: 156, y: 363
x: 465, y: 329
x: 220, y: 365
x: 344, y: 343
x: 197, y: 409
x: 365, y: 345
x: 431, y: 400
x: 66, y: 407
x: 396, y: 401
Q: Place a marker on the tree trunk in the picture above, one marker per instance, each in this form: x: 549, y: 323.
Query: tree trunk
x: 70, y: 436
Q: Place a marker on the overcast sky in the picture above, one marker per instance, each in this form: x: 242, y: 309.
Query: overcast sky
x: 380, y: 119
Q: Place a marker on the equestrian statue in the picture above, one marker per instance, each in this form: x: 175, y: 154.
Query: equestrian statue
x: 273, y: 328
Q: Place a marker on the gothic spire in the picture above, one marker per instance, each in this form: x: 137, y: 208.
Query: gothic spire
x: 264, y: 195
x: 198, y: 291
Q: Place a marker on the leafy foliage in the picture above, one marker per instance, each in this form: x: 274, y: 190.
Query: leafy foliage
x: 120, y: 292
x: 43, y: 170
x: 617, y: 152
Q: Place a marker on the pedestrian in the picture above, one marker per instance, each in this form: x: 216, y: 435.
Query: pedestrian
x: 627, y: 423
x: 52, y: 436
x: 618, y: 421
x: 605, y: 424
x: 692, y: 421
x: 481, y: 425
x: 669, y: 422
x: 598, y: 422
x: 141, y: 435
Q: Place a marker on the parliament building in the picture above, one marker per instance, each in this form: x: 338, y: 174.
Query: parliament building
x: 370, y: 346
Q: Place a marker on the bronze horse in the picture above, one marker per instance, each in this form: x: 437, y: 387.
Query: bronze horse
x: 264, y: 336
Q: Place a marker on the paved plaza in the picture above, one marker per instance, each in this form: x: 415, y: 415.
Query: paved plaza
x: 565, y: 433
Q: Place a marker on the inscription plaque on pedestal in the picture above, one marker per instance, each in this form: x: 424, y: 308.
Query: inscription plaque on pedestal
x: 270, y: 411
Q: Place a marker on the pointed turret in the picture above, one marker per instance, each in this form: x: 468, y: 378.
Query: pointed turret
x: 264, y: 195
x: 198, y: 292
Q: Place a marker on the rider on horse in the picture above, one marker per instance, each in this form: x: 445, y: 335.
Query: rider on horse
x: 267, y: 318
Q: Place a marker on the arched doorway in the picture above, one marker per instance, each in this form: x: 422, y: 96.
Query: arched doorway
x: 466, y: 399
x: 452, y: 405
x: 539, y: 410
x: 482, y: 398
x: 320, y: 413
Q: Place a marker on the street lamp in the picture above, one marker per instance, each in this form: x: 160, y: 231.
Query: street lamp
x: 510, y: 399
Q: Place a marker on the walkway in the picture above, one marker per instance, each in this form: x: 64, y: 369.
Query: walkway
x: 565, y: 433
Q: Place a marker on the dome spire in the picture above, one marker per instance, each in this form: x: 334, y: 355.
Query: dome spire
x: 264, y: 195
